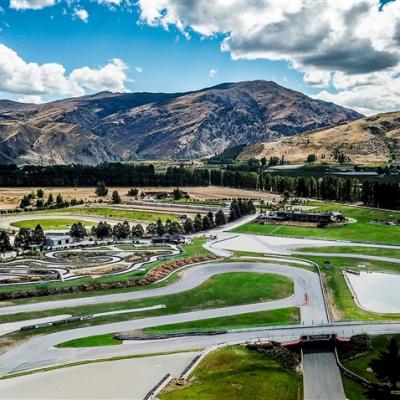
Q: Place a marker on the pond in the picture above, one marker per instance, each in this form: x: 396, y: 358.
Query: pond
x: 376, y: 291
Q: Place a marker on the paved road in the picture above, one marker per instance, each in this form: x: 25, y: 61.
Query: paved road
x: 322, y: 378
x: 305, y: 281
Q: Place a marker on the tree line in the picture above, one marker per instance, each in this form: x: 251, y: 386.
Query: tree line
x: 370, y: 192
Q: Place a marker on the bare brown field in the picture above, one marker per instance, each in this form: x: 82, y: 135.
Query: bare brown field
x: 11, y: 197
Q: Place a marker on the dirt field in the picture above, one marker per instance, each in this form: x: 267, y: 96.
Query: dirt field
x: 11, y: 197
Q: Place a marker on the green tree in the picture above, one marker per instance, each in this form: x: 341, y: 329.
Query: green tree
x: 50, y: 200
x: 133, y: 192
x: 103, y: 230
x: 160, y: 228
x: 5, y: 244
x: 101, y: 189
x: 39, y: 203
x: 137, y: 231
x: 116, y: 199
x: 38, y: 236
x: 198, y: 223
x: 78, y: 231
x: 220, y: 218
x: 121, y: 231
x: 188, y: 226
x: 151, y: 229
x: 59, y: 201
x: 207, y: 225
x: 40, y: 193
x: 387, y: 366
x: 23, y: 238
x: 311, y: 158
x: 25, y: 201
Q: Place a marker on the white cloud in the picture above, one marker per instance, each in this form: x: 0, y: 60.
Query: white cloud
x: 139, y: 69
x: 82, y: 14
x: 111, y: 77
x: 30, y: 99
x: 212, y: 72
x: 329, y: 41
x: 29, y: 78
x: 31, y: 4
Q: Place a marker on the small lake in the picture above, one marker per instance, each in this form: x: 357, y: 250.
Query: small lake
x: 376, y: 291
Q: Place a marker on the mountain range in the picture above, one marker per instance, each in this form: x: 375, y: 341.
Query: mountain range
x: 369, y: 140
x: 131, y: 126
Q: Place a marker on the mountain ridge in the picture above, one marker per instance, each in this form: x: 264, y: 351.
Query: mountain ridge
x: 142, y: 125
x: 369, y: 140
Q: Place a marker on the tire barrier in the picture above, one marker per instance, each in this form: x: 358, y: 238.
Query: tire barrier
x: 53, y: 323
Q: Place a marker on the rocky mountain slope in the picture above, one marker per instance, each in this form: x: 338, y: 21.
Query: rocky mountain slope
x: 370, y: 140
x: 112, y: 127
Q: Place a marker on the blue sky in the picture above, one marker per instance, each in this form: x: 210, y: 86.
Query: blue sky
x: 180, y: 48
x: 169, y: 61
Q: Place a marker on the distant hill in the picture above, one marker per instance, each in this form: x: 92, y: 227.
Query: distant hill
x: 370, y: 140
x: 123, y: 127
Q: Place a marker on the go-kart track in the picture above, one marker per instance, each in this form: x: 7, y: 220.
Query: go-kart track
x: 321, y: 374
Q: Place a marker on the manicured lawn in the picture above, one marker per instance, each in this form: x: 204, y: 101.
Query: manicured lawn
x: 92, y: 341
x: 280, y: 316
x: 370, y: 251
x: 51, y: 223
x: 249, y: 320
x: 362, y: 230
x: 132, y: 215
x: 340, y: 295
x: 219, y: 291
x: 235, y: 373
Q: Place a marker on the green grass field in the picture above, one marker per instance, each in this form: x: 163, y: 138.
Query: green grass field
x: 359, y: 365
x: 51, y: 223
x: 362, y: 230
x: 370, y: 251
x: 235, y: 373
x: 249, y: 320
x: 120, y: 213
x: 92, y: 341
x: 219, y: 291
x: 280, y: 316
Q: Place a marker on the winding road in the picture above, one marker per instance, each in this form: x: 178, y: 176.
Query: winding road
x: 321, y: 375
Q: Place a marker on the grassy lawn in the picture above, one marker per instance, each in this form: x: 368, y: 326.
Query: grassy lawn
x: 219, y: 291
x: 188, y: 250
x: 92, y: 341
x: 51, y: 223
x: 340, y: 295
x: 249, y: 320
x: 120, y: 213
x: 370, y: 251
x: 280, y: 316
x: 235, y: 373
x: 359, y: 365
x: 362, y: 230
x: 131, y: 247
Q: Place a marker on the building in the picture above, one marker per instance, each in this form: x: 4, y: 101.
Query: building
x: 171, y: 239
x: 301, y: 216
x: 58, y: 239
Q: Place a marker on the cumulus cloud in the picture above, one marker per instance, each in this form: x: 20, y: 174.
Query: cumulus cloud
x: 139, y: 69
x: 320, y: 38
x: 29, y: 78
x: 31, y: 4
x: 111, y: 77
x: 82, y: 14
x: 212, y: 72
